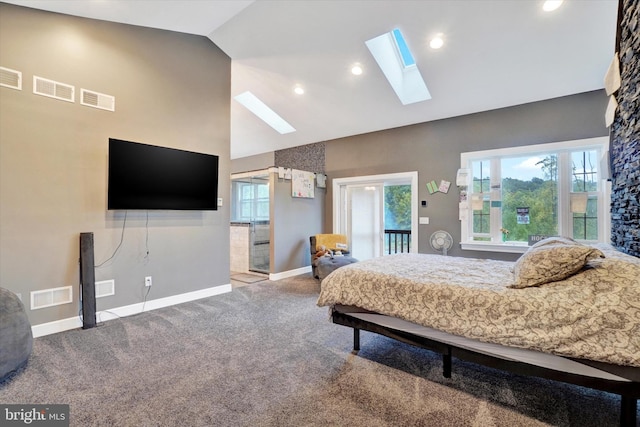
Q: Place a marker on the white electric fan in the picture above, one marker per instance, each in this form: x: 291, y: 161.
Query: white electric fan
x: 441, y: 241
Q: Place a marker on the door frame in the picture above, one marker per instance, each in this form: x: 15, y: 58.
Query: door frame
x: 401, y: 177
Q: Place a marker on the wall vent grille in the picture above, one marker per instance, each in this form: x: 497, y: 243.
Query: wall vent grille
x: 97, y: 100
x: 53, y: 89
x: 105, y: 288
x: 51, y: 297
x: 10, y: 78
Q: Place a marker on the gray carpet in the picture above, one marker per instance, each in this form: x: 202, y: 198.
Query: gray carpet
x: 248, y: 277
x: 266, y: 355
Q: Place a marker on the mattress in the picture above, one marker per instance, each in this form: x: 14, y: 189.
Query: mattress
x: 593, y: 314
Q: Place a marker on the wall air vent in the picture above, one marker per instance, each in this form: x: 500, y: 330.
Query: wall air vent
x: 51, y: 297
x: 52, y: 89
x: 105, y: 288
x: 10, y: 78
x: 97, y: 100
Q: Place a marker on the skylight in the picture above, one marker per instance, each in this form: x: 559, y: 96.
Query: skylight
x: 403, y: 49
x: 396, y: 61
x: 266, y: 114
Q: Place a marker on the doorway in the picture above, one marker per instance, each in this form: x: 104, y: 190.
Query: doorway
x: 364, y: 219
x: 250, y: 211
x: 378, y: 213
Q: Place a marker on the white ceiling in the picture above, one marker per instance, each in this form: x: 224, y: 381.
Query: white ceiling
x: 497, y: 53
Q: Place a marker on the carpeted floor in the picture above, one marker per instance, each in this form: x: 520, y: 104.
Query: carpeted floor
x: 266, y: 355
x: 248, y: 277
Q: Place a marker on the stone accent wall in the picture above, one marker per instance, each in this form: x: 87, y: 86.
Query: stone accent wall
x: 625, y: 136
x: 308, y: 157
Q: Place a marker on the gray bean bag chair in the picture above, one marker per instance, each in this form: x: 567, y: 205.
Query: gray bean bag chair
x: 16, y: 340
x: 326, y: 265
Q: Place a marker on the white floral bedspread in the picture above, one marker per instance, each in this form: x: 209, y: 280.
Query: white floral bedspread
x: 594, y: 314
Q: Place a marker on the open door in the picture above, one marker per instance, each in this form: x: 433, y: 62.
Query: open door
x: 365, y: 225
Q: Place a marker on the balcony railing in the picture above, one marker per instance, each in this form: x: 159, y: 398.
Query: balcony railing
x: 397, y: 241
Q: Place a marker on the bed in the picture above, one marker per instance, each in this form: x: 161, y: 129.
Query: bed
x: 564, y: 311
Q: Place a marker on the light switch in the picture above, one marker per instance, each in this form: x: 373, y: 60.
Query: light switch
x: 424, y: 220
x: 219, y: 201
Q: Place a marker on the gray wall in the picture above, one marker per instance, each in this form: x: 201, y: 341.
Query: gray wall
x: 433, y: 149
x: 293, y: 221
x: 253, y: 163
x: 172, y: 90
x: 296, y: 219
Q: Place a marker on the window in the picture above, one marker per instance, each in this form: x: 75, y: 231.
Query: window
x: 517, y: 195
x: 251, y: 200
x: 397, y: 218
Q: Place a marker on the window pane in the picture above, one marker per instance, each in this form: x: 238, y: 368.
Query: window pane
x: 252, y: 200
x: 585, y: 171
x: 263, y: 190
x: 481, y: 221
x: 585, y: 228
x: 584, y: 168
x: 529, y: 196
x: 245, y: 209
x: 262, y: 210
x: 585, y: 225
x: 397, y: 207
x: 481, y: 184
x: 481, y: 176
x: 246, y: 191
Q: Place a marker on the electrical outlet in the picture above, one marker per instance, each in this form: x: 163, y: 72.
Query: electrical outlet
x: 147, y: 281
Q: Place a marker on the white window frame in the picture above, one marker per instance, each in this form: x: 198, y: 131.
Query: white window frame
x: 254, y: 201
x: 563, y: 150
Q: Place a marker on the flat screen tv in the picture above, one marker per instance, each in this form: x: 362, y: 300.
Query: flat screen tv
x: 145, y: 176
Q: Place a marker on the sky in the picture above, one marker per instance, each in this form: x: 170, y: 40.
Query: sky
x: 523, y: 168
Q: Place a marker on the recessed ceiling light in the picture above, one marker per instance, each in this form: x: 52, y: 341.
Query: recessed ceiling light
x: 299, y: 90
x: 260, y: 109
x: 550, y: 5
x: 437, y: 42
x: 356, y: 70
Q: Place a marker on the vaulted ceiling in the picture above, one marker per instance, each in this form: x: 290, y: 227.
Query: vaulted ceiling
x: 496, y: 53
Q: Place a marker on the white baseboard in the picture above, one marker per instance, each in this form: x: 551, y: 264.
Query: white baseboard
x: 56, y: 326
x: 127, y: 310
x: 290, y: 273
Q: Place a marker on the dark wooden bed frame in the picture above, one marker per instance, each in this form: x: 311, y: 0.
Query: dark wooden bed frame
x: 629, y: 390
